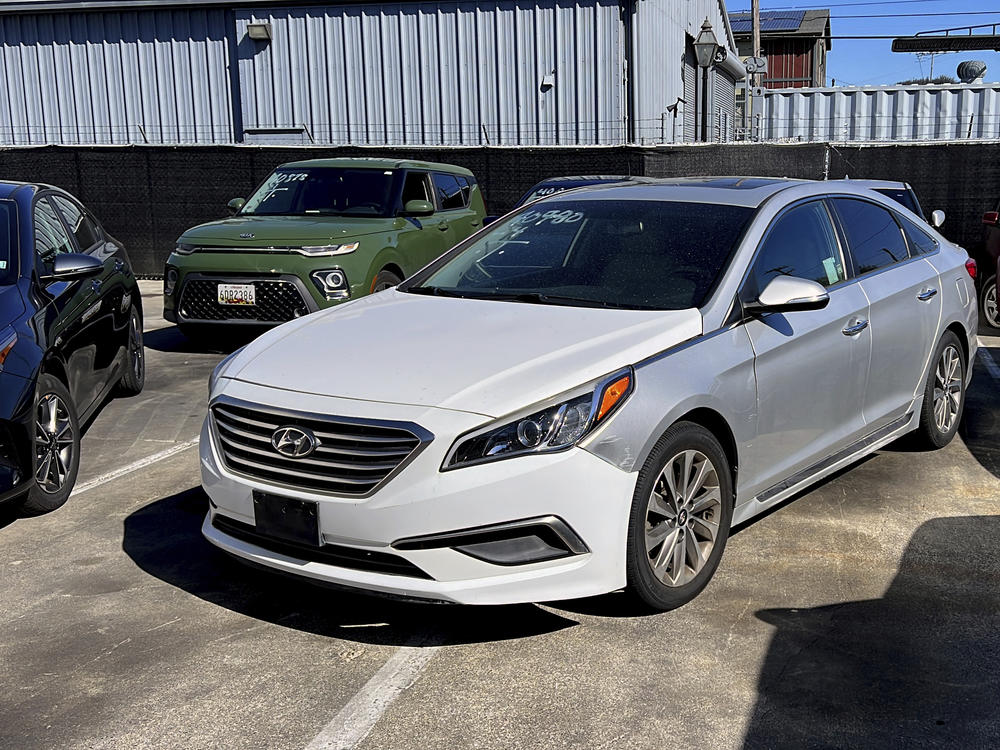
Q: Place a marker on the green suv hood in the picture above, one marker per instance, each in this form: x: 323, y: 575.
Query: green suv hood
x: 288, y: 230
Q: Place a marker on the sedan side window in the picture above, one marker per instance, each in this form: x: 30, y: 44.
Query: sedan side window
x: 874, y: 237
x: 803, y: 244
x: 921, y: 243
x: 51, y: 238
x: 83, y: 226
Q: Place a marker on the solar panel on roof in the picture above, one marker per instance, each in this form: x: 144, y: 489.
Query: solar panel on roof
x: 770, y: 20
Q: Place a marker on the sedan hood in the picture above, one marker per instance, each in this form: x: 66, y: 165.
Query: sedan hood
x: 287, y: 230
x: 487, y: 357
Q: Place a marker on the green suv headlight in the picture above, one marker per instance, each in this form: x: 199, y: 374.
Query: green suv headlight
x: 184, y: 249
x: 551, y: 428
x: 322, y: 251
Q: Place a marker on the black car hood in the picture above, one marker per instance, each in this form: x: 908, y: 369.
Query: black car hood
x: 11, y: 305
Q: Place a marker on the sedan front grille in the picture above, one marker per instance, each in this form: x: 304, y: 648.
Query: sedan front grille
x: 277, y: 301
x: 352, y: 457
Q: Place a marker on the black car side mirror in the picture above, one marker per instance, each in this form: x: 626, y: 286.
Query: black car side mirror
x: 69, y: 266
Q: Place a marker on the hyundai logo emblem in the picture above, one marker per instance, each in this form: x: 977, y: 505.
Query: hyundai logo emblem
x: 294, y: 442
x: 247, y: 235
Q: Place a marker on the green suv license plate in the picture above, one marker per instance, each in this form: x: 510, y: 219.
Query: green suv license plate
x: 237, y: 294
x: 286, y: 518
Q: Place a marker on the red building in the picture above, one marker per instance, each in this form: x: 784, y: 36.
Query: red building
x: 794, y: 43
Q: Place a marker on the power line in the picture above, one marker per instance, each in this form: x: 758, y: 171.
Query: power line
x: 848, y: 5
x: 887, y: 15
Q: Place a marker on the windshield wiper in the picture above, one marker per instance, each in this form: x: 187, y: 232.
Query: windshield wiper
x: 436, y: 291
x: 540, y: 298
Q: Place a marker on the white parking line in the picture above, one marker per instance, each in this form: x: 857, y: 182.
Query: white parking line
x: 140, y: 464
x: 356, y: 719
x: 991, y: 364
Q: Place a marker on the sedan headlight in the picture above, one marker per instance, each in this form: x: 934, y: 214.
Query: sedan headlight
x: 220, y: 369
x: 322, y: 251
x: 543, y: 430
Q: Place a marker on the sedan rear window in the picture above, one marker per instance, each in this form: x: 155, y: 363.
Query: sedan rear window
x: 8, y: 242
x: 296, y: 191
x: 654, y: 255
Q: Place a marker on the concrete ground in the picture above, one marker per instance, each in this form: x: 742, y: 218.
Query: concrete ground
x: 865, y: 613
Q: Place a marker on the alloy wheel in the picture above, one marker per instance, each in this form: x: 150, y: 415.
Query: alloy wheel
x: 947, y: 389
x: 990, y: 306
x: 682, y: 518
x: 54, y: 441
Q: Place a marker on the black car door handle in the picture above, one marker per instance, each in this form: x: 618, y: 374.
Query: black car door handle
x: 926, y: 294
x: 96, y: 285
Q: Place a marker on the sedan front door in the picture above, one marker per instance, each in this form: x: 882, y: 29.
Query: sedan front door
x: 811, y: 366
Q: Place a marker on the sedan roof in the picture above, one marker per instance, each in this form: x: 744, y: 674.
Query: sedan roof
x: 733, y: 191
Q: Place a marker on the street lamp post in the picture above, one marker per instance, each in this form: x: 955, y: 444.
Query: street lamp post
x: 705, y: 47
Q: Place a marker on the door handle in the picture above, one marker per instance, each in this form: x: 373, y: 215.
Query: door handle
x: 96, y: 285
x: 119, y: 266
x: 855, y: 327
x: 443, y: 226
x: 926, y: 294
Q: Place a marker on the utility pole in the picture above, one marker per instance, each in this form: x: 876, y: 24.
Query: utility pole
x: 755, y: 38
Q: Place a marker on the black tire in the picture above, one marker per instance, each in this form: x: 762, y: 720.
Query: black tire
x: 646, y: 585
x: 134, y: 378
x: 929, y: 433
x: 988, y: 310
x: 44, y: 499
x: 385, y: 279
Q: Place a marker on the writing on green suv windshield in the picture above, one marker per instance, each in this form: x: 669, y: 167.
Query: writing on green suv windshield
x: 330, y: 191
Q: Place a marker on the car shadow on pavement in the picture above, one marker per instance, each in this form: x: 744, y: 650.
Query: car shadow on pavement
x: 170, y: 339
x: 980, y: 426
x: 164, y: 539
x: 919, y: 667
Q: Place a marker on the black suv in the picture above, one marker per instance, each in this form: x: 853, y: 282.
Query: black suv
x: 70, y: 333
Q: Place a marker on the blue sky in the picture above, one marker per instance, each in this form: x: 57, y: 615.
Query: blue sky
x: 872, y: 62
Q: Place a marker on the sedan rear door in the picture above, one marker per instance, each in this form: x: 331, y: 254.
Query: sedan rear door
x: 905, y: 299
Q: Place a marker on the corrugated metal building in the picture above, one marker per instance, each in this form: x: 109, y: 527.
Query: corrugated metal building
x: 452, y: 72
x: 949, y: 112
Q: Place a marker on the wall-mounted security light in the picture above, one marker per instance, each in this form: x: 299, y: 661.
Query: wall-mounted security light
x: 259, y: 32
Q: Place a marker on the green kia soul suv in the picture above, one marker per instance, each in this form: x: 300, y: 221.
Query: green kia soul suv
x: 317, y: 233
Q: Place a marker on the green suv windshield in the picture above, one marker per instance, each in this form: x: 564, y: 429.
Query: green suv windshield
x: 325, y: 191
x: 8, y: 241
x: 652, y: 255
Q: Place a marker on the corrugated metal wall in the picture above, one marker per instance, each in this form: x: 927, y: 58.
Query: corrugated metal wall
x: 528, y: 72
x: 151, y: 76
x: 889, y: 113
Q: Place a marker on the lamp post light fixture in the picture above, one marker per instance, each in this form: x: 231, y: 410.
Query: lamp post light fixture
x: 705, y: 47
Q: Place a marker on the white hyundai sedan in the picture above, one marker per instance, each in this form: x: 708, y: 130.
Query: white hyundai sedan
x: 589, y: 394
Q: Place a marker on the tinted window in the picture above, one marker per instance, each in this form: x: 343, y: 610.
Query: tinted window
x: 449, y: 192
x: 873, y: 235
x: 50, y: 234
x: 802, y: 243
x: 632, y: 254
x: 921, y: 243
x: 293, y: 191
x: 8, y: 241
x: 83, y: 227
x: 416, y: 188
x: 904, y: 198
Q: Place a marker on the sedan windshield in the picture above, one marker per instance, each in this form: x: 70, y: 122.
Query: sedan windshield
x: 296, y: 191
x: 8, y: 242
x: 646, y: 255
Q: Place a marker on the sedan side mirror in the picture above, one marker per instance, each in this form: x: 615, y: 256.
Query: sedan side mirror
x: 69, y: 266
x: 937, y: 218
x: 418, y: 208
x: 790, y: 294
x: 235, y: 205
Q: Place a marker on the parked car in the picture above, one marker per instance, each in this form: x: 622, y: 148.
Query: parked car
x: 987, y: 255
x: 315, y: 234
x: 558, y: 407
x: 553, y: 185
x: 70, y: 333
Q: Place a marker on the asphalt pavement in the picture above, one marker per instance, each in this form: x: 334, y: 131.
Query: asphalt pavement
x: 863, y: 613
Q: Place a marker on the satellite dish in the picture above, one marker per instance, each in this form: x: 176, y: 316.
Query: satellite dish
x: 971, y: 71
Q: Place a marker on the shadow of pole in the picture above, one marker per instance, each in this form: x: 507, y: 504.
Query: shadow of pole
x: 919, y: 667
x: 164, y: 539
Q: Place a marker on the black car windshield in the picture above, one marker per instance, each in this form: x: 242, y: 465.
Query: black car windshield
x: 647, y: 255
x: 8, y: 242
x: 302, y: 191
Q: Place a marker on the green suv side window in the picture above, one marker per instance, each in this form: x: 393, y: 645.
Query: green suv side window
x: 416, y: 187
x: 449, y: 192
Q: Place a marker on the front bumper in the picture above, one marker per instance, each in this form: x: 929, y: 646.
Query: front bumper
x: 590, y: 496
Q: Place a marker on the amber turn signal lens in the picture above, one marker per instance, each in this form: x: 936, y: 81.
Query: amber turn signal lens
x: 612, y: 395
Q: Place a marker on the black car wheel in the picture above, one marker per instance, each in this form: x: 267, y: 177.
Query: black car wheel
x: 988, y: 303
x: 56, y: 447
x: 135, y: 358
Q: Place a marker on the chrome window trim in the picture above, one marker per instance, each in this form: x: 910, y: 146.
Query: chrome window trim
x: 424, y: 437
